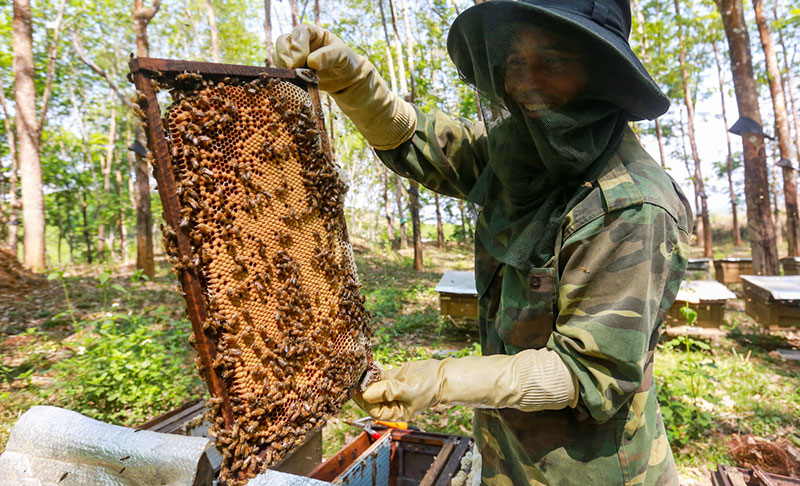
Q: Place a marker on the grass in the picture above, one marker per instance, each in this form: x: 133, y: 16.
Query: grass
x: 98, y: 340
x: 734, y: 385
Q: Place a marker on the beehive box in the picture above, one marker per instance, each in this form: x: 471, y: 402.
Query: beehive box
x: 699, y: 267
x: 773, y: 301
x: 706, y: 297
x: 458, y: 296
x: 256, y: 232
x: 398, y: 457
x: 729, y: 270
x: 791, y: 265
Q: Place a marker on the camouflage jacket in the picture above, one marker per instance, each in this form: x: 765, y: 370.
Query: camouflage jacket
x: 599, y: 303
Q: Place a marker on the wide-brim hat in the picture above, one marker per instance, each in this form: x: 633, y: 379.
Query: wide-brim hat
x: 603, y: 24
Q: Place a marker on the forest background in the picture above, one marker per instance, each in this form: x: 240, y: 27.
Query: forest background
x: 67, y: 112
x: 93, y: 214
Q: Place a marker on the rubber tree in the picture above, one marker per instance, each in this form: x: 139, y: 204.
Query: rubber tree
x: 781, y: 129
x: 759, y: 223
x: 27, y: 138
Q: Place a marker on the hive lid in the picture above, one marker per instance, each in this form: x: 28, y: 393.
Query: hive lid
x: 456, y: 282
x: 697, y: 291
x: 734, y: 260
x: 778, y: 287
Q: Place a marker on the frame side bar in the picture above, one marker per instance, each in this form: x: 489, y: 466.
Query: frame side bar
x: 313, y: 93
x: 167, y: 190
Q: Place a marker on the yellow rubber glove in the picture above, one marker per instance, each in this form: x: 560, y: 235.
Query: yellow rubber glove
x: 534, y: 379
x: 381, y: 116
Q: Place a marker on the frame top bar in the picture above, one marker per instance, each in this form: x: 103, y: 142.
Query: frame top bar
x: 173, y: 66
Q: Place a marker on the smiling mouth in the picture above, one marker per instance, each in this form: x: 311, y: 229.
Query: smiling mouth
x: 537, y: 106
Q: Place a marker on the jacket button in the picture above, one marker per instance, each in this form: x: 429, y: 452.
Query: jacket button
x: 535, y: 281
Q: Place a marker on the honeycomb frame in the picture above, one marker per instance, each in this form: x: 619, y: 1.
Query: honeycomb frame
x: 272, y: 293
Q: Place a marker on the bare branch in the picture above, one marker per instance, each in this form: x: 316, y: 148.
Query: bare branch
x: 76, y: 44
x: 147, y: 14
x: 52, y: 55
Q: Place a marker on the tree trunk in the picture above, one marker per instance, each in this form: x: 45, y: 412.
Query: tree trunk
x: 14, y: 203
x: 52, y: 57
x: 463, y: 221
x: 28, y: 138
x: 776, y: 212
x: 122, y: 227
x: 660, y: 138
x: 409, y: 51
x: 145, y: 259
x: 70, y: 236
x: 268, y: 32
x: 708, y: 245
x: 398, y: 197
x: 59, y: 225
x: 387, y: 49
x: 641, y: 27
x: 737, y: 239
x: 141, y: 17
x: 105, y: 169
x: 316, y: 12
x: 401, y: 70
x: 413, y: 191
x: 699, y: 227
x: 439, y: 227
x: 789, y: 90
x: 759, y: 224
x: 293, y: 8
x: 782, y: 130
x: 144, y: 217
x: 212, y: 26
x: 87, y: 239
x: 387, y: 211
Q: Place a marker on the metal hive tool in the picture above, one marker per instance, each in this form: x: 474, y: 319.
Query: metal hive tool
x: 256, y: 232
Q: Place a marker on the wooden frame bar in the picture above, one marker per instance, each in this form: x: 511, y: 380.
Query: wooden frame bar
x: 145, y: 72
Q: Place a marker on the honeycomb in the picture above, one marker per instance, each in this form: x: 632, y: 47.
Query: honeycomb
x: 261, y: 204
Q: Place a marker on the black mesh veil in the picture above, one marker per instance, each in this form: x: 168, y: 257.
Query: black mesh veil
x: 551, y: 108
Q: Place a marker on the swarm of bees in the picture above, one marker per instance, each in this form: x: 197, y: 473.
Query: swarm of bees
x: 261, y: 204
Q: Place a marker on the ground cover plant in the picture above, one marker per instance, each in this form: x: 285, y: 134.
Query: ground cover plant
x: 111, y: 344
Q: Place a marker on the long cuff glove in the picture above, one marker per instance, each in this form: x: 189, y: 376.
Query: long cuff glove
x: 535, y: 379
x: 381, y: 116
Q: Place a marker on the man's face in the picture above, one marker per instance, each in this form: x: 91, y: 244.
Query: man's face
x: 542, y: 73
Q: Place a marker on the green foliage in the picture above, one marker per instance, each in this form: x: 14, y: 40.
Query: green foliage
x: 389, y: 349
x: 127, y: 366
x: 680, y: 393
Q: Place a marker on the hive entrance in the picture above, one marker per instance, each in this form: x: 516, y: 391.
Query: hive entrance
x: 257, y: 234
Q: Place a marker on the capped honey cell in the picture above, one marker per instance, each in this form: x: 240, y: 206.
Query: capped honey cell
x: 262, y: 211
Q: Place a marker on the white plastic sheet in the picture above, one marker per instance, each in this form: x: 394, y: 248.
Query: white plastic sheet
x: 50, y: 446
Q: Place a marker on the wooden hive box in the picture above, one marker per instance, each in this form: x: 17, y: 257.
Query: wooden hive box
x: 706, y: 297
x: 773, y: 301
x: 791, y: 265
x: 699, y: 267
x: 458, y: 297
x: 729, y: 270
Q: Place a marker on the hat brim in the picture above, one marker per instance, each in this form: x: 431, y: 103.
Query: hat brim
x: 639, y: 94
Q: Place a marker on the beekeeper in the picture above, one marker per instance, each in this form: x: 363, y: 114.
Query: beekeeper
x: 580, y: 246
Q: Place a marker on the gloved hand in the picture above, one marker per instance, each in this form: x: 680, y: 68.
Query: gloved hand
x: 381, y: 116
x: 534, y: 379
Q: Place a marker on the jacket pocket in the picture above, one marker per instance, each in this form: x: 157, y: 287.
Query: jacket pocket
x: 527, y: 308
